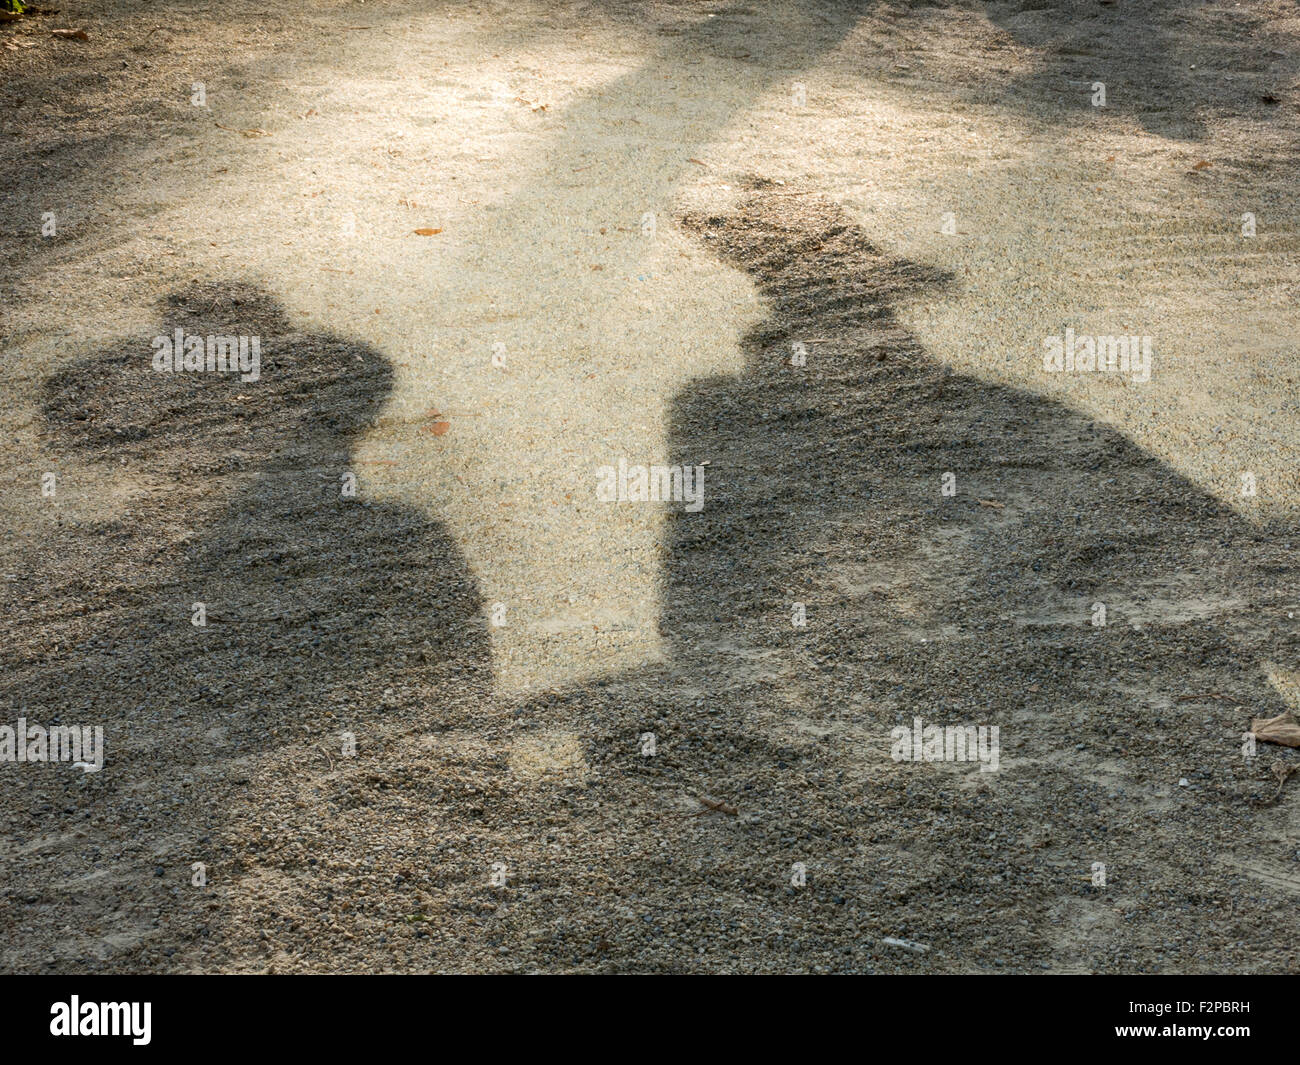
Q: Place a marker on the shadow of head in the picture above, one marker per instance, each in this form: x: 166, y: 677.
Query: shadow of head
x: 821, y: 277
x: 223, y: 372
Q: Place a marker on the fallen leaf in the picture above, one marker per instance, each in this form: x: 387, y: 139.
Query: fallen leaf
x: 1283, y: 729
x: 1201, y: 165
x: 426, y: 232
x: 439, y: 428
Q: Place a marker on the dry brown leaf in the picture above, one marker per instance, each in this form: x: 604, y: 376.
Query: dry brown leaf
x: 1201, y: 165
x: 426, y: 232
x: 439, y: 428
x: 1283, y: 729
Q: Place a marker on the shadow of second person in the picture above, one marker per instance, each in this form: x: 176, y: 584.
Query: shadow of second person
x: 748, y: 807
x: 308, y: 591
x: 238, y: 610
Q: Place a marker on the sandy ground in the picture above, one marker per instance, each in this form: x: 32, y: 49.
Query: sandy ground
x: 642, y: 211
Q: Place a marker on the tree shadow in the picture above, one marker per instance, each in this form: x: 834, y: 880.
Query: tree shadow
x: 1152, y: 57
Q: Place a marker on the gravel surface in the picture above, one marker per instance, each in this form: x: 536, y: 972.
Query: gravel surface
x: 677, y: 754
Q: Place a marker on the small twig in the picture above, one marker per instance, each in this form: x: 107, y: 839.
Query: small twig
x: 711, y: 804
x: 1282, y: 772
x: 327, y: 755
x: 721, y: 807
x: 246, y: 132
